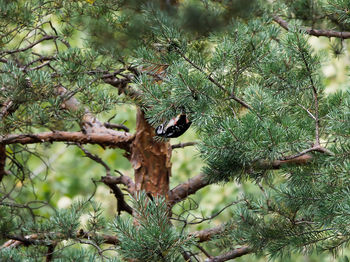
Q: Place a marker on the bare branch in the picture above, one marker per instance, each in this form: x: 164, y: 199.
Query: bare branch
x: 117, y: 139
x: 122, y: 205
x: 90, y: 123
x: 182, y: 145
x: 182, y: 191
x: 238, y: 252
x: 314, y: 32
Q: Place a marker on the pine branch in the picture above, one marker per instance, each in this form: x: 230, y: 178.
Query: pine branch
x: 238, y: 252
x: 90, y: 123
x: 314, y: 32
x: 207, y: 234
x: 43, y: 239
x: 190, y: 187
x: 118, y: 139
x: 182, y: 191
x: 123, y: 179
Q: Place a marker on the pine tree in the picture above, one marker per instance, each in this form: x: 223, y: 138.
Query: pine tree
x: 243, y: 72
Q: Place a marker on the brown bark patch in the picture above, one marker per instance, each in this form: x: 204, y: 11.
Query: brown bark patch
x: 150, y: 159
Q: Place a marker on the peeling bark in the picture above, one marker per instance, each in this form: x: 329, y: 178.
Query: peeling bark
x: 150, y: 159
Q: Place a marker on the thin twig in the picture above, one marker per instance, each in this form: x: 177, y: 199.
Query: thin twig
x: 307, y: 110
x: 96, y: 158
x: 39, y: 66
x: 210, y: 217
x: 316, y: 148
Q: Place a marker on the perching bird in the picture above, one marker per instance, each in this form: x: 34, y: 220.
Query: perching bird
x: 175, y: 128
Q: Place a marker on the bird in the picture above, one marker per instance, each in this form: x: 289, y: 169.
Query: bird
x: 175, y: 127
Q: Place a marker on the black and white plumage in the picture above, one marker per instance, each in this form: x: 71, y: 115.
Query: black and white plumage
x: 175, y: 128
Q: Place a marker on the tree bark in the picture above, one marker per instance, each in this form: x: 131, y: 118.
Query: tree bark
x: 150, y: 159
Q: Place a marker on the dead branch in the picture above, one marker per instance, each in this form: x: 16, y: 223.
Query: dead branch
x: 116, y: 126
x: 121, y: 205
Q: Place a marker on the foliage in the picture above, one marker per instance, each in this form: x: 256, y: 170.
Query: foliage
x: 255, y: 93
x: 151, y: 237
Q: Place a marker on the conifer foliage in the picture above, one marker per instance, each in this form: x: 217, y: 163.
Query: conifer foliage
x: 246, y: 76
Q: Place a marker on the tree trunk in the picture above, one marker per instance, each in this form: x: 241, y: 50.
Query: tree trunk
x: 150, y: 159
